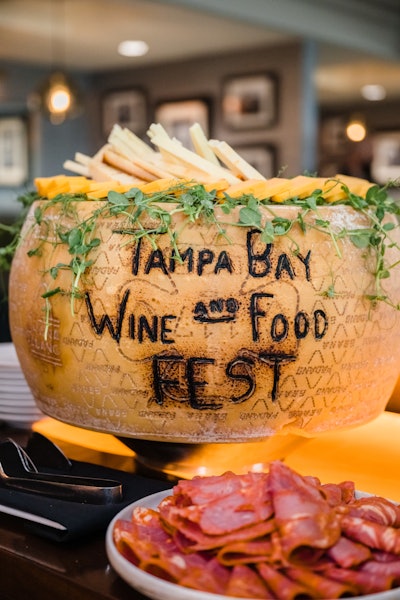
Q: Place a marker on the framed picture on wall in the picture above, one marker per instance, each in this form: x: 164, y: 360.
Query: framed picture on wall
x: 127, y: 108
x: 178, y: 115
x: 14, y: 151
x: 250, y: 101
x: 385, y: 164
x: 261, y: 157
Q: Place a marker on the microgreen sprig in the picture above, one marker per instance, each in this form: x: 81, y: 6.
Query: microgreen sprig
x: 195, y: 203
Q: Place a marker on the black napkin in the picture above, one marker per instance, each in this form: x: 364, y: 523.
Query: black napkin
x: 77, y: 519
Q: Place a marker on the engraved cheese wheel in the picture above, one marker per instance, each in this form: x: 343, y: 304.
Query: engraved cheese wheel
x: 236, y: 341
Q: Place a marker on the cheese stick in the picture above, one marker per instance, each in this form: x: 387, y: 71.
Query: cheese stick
x: 99, y: 171
x: 234, y: 161
x: 201, y: 144
x: 82, y: 159
x: 190, y: 158
x: 74, y: 167
x: 126, y: 166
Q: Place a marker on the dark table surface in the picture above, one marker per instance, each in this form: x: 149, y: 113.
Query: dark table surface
x: 36, y: 568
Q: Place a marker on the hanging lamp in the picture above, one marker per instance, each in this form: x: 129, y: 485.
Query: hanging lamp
x: 58, y: 94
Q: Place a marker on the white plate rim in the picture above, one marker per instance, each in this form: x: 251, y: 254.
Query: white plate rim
x: 26, y: 402
x: 158, y: 589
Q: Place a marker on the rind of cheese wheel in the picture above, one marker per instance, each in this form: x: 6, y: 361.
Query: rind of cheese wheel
x: 276, y: 189
x: 160, y: 185
x: 101, y: 172
x: 258, y: 188
x: 356, y: 185
x: 279, y: 190
x: 151, y: 167
x: 183, y: 171
x: 99, y: 191
x: 300, y: 187
x: 50, y: 187
x: 119, y: 162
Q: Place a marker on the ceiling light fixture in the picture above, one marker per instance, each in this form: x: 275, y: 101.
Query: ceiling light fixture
x: 373, y: 92
x: 133, y: 48
x: 58, y: 95
x: 356, y: 130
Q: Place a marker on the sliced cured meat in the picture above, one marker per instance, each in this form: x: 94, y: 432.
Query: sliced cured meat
x: 389, y: 569
x: 376, y: 509
x: 192, y: 538
x: 238, y: 553
x: 276, y: 535
x: 201, y: 490
x: 282, y: 586
x: 364, y: 582
x: 347, y: 553
x: 246, y: 583
x: 304, y: 518
x: 210, y: 577
x: 338, y: 493
x: 247, y: 503
x: 372, y: 534
x: 321, y: 586
x: 151, y: 548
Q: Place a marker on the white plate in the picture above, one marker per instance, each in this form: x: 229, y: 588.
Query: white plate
x: 8, y: 355
x: 17, y: 399
x: 15, y: 392
x: 10, y: 379
x: 157, y: 588
x: 19, y: 411
x: 27, y: 416
x: 20, y: 402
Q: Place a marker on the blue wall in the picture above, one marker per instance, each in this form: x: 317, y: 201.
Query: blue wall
x: 50, y: 145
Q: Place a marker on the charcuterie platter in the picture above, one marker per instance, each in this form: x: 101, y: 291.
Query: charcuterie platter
x: 294, y: 535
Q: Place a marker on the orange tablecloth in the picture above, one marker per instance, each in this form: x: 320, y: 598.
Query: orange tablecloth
x: 369, y: 455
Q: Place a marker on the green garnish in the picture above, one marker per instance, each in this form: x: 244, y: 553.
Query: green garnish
x: 195, y: 203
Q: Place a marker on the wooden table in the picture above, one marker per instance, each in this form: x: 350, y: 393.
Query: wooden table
x: 34, y: 568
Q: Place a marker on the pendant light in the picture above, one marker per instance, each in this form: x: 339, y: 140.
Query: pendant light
x: 58, y: 94
x: 356, y: 129
x: 59, y: 97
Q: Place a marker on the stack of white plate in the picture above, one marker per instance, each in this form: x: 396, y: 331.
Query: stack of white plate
x: 17, y: 405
